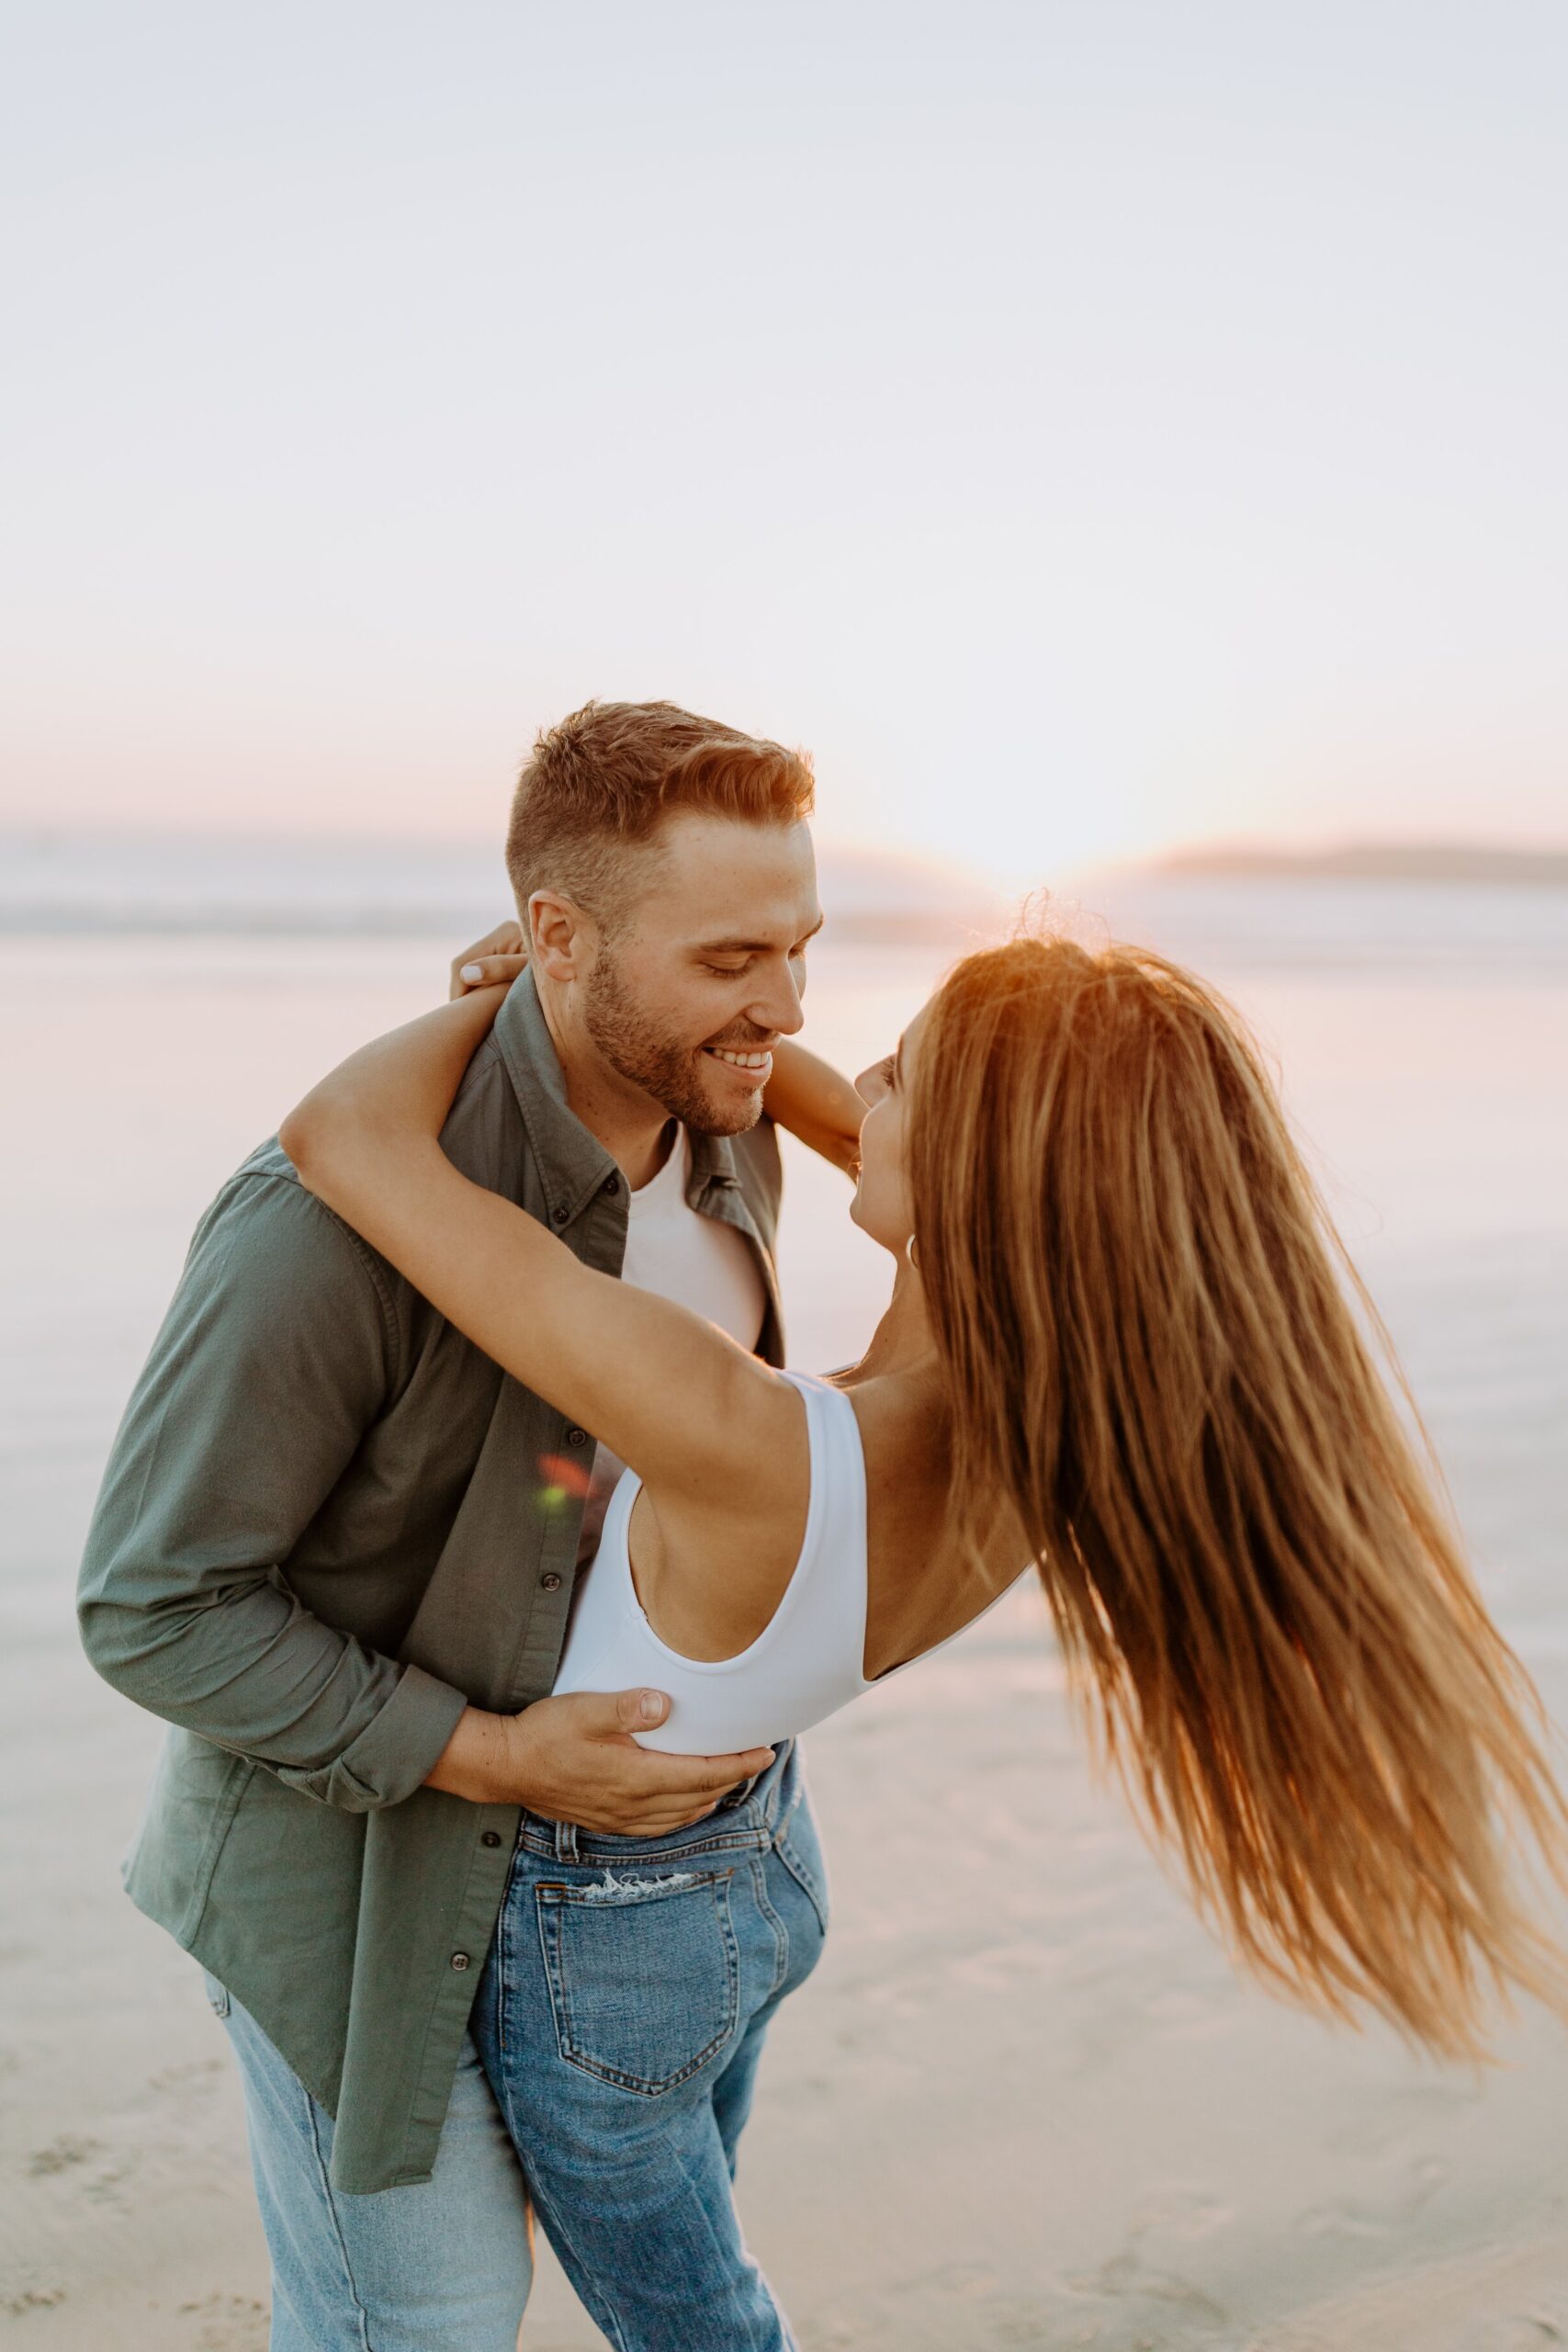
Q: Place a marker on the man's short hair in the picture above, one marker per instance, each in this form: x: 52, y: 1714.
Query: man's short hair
x: 603, y: 780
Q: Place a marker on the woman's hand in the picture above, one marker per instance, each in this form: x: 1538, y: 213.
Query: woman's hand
x: 501, y: 955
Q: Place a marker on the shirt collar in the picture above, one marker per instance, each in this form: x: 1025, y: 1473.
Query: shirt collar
x: 712, y: 1162
x: 572, y: 1164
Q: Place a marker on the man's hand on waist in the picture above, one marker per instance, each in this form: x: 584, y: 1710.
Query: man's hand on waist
x: 574, y: 1758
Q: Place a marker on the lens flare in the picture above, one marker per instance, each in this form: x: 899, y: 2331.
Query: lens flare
x: 563, y: 1477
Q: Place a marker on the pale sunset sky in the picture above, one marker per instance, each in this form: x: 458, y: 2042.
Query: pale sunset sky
x: 1088, y: 427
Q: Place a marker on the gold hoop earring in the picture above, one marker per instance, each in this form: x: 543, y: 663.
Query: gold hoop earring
x: 912, y: 1254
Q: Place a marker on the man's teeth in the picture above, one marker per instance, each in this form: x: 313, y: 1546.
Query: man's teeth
x: 736, y: 1060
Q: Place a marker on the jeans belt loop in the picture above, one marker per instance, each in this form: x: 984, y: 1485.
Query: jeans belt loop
x: 566, y: 1841
x: 774, y: 1799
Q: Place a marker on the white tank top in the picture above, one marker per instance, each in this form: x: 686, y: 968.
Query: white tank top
x: 806, y: 1663
x: 809, y: 1659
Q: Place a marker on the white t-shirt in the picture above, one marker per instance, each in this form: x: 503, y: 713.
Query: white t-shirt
x: 693, y: 1260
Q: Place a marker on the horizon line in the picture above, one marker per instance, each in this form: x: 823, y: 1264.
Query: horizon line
x: 1284, y: 848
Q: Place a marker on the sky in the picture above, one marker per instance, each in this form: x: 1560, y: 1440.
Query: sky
x: 1088, y: 425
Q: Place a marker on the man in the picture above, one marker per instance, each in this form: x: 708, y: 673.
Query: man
x: 335, y: 1546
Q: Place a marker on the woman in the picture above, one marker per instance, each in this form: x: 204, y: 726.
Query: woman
x: 1117, y: 1347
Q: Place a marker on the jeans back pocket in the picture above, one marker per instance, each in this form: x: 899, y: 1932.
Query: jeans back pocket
x: 643, y: 1975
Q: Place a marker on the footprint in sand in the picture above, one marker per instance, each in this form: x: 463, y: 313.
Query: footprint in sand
x: 1376, y: 2217
x: 33, y: 2299
x: 1127, y: 2274
x: 63, y: 2153
x: 228, y: 2323
x: 1515, y: 2332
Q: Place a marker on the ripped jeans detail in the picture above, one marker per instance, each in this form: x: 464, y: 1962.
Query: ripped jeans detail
x: 611, y: 1889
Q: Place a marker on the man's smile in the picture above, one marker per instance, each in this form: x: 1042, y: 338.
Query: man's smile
x: 753, y: 1063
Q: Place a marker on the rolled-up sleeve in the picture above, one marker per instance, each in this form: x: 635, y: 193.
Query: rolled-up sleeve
x: 277, y: 1356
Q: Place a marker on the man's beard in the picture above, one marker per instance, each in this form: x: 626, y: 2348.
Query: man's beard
x: 640, y: 1051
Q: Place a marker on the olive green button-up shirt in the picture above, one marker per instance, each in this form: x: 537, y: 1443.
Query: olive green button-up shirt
x: 328, y: 1523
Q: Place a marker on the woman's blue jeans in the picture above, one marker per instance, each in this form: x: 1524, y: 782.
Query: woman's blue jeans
x: 620, y: 2018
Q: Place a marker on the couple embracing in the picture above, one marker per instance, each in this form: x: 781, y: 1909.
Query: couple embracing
x: 487, y: 1562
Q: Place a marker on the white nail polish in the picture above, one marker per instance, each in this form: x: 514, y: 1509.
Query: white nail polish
x: 472, y: 972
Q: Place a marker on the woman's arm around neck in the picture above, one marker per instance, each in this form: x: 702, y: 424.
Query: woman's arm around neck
x: 693, y: 1413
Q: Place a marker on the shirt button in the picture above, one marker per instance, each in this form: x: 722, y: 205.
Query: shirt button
x: 577, y: 1437
x: 459, y: 1961
x: 560, y: 1217
x: 491, y: 1837
x: 551, y: 1583
x: 611, y: 1185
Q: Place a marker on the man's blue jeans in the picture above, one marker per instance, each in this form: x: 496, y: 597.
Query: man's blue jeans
x: 442, y: 2266
x: 620, y: 2018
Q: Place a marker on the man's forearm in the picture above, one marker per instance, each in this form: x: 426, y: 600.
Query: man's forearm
x: 274, y: 1358
x: 257, y: 1673
x: 473, y: 1764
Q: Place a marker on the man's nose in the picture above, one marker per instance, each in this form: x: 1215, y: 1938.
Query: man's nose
x: 779, y: 1007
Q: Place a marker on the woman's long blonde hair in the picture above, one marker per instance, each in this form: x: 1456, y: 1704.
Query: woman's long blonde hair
x: 1142, y: 1311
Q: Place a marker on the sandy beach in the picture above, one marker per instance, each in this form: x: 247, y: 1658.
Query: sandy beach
x: 1024, y: 2103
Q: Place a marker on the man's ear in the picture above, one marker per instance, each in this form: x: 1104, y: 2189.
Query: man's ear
x: 562, y: 937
